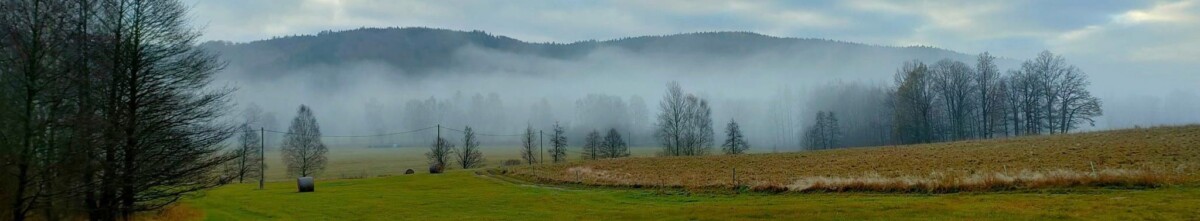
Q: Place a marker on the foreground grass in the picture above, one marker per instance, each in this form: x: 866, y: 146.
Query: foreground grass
x: 1134, y: 157
x: 461, y: 195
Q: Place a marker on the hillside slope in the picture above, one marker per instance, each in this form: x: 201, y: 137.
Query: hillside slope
x: 1137, y: 157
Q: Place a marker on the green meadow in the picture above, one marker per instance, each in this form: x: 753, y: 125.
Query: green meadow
x: 463, y: 195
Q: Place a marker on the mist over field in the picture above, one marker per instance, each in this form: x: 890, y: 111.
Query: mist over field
x: 345, y: 75
x: 599, y: 110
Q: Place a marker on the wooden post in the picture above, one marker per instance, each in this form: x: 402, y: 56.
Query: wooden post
x: 438, y: 142
x: 262, y: 153
x: 735, y: 183
x: 541, y: 148
x: 1093, y: 163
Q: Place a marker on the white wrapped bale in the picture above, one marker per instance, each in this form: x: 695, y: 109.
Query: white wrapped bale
x: 305, y: 184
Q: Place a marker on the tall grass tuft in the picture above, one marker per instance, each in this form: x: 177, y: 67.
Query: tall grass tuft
x: 942, y: 183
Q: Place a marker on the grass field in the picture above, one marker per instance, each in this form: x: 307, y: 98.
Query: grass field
x: 461, y: 195
x: 464, y: 195
x: 1135, y: 157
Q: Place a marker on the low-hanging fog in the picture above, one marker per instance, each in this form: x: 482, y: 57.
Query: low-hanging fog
x: 773, y: 94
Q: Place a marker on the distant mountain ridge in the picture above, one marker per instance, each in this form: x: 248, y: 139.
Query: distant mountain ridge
x: 420, y: 51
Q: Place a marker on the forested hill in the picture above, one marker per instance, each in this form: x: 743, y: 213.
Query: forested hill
x: 421, y: 51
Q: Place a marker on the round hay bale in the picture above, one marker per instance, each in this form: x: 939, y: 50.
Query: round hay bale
x: 409, y: 171
x: 305, y: 184
x: 435, y: 169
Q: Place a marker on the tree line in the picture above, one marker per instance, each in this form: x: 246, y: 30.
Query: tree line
x: 945, y: 101
x: 106, y: 109
x: 685, y: 126
x: 951, y: 100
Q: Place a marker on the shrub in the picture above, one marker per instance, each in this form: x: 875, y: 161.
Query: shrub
x: 512, y: 162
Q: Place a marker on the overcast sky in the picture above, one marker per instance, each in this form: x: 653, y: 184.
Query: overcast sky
x: 1150, y: 39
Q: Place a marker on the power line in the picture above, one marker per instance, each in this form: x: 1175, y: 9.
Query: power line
x: 405, y: 132
x: 483, y: 134
x: 373, y: 135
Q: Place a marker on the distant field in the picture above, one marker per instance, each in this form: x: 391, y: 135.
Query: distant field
x: 359, y: 162
x: 1134, y: 158
x: 461, y: 195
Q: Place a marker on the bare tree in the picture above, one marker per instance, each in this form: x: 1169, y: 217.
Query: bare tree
x: 986, y: 79
x: 1023, y: 98
x: 164, y: 137
x: 735, y: 142
x: 528, y: 146
x: 106, y: 107
x: 613, y: 145
x: 1006, y: 106
x: 469, y: 155
x: 439, y: 153
x: 31, y: 82
x: 592, y: 145
x: 826, y: 133
x: 247, y: 162
x: 558, y: 144
x: 865, y: 112
x: 833, y: 135
x: 671, y: 120
x: 914, y: 104
x: 1052, y: 95
x: 700, y: 134
x: 1076, y: 104
x: 953, y: 82
x: 814, y: 136
x: 1044, y: 95
x: 48, y: 115
x: 1045, y: 72
x: 303, y: 151
x: 684, y: 124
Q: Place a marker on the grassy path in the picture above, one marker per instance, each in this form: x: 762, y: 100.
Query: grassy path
x: 461, y: 195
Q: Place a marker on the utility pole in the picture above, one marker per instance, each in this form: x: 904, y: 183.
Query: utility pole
x: 262, y: 153
x: 541, y: 148
x: 438, y: 142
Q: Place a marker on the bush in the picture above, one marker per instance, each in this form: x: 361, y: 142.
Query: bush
x: 435, y: 169
x: 512, y: 162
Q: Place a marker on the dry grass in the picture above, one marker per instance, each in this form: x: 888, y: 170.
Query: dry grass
x: 939, y: 183
x: 1128, y: 158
